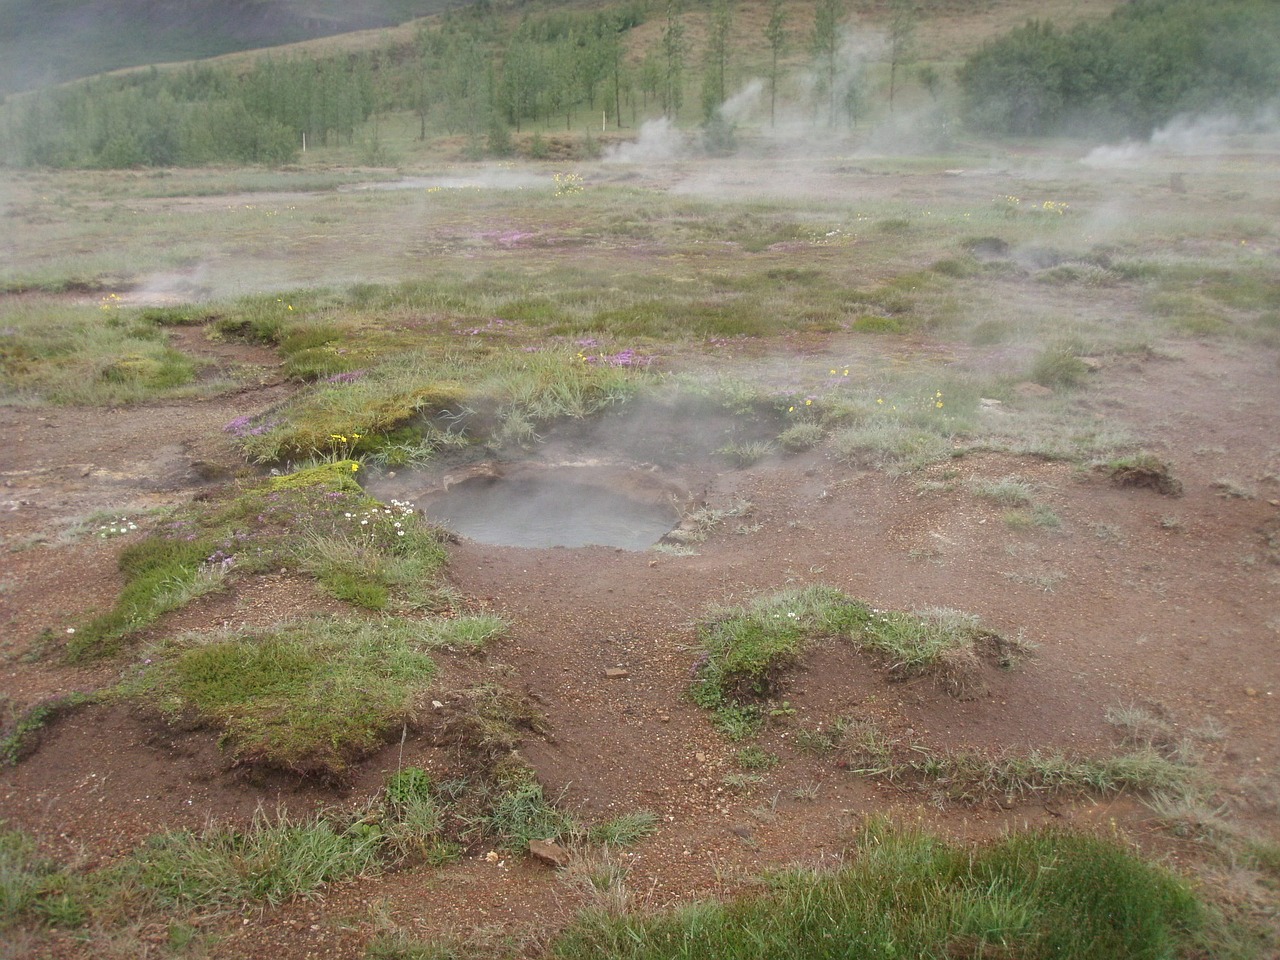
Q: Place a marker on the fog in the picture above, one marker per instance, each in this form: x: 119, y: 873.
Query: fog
x: 755, y: 150
x: 485, y: 176
x: 1192, y: 135
x: 658, y: 141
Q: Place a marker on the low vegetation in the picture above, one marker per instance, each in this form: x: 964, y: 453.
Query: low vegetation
x: 904, y: 892
x: 194, y: 876
x: 747, y: 651
x: 20, y: 730
x: 191, y: 874
x: 372, y: 555
x: 1142, y: 470
x: 72, y: 355
x: 309, y: 698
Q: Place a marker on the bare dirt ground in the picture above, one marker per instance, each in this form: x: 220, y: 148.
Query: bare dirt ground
x: 1139, y: 598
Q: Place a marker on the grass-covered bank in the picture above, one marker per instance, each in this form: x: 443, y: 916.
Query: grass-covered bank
x: 371, y: 555
x: 904, y: 892
x: 901, y: 892
x: 747, y: 651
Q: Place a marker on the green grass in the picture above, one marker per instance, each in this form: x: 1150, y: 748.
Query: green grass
x: 975, y: 778
x: 192, y: 877
x: 800, y: 437
x: 747, y: 650
x: 310, y: 698
x: 200, y: 874
x: 161, y: 574
x: 862, y: 746
x: 428, y: 398
x: 1006, y: 492
x: 274, y: 861
x: 524, y: 813
x: 376, y: 555
x: 1058, y: 367
x: 1142, y: 469
x: 371, y: 555
x: 414, y: 827
x: 754, y: 758
x: 624, y: 830
x: 742, y: 454
x: 32, y: 887
x: 89, y: 355
x: 484, y: 349
x: 903, y: 424
x: 22, y: 730
x: 906, y: 893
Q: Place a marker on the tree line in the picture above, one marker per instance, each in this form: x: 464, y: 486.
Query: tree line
x: 193, y: 116
x: 485, y: 77
x: 470, y: 72
x: 1150, y: 61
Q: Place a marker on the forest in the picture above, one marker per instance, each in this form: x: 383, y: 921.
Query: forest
x: 470, y: 73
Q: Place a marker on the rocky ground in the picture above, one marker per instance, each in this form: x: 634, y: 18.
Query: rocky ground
x: 1136, y: 598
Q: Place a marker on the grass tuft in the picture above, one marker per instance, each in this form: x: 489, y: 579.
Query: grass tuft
x: 309, y: 697
x: 372, y: 555
x: 625, y: 829
x: 23, y: 730
x: 1058, y: 367
x: 1006, y: 492
x: 747, y: 650
x: 1142, y: 470
x: 524, y: 813
x: 274, y: 861
x: 907, y: 893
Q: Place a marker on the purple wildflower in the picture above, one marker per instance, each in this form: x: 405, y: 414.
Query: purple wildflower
x: 350, y: 376
x: 237, y: 426
x: 623, y: 358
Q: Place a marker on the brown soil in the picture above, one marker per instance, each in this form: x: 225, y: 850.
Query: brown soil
x: 1138, y: 599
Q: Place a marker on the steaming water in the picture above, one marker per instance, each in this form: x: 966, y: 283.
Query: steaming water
x: 483, y: 180
x: 536, y: 511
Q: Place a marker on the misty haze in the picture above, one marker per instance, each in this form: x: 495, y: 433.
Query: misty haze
x: 648, y: 478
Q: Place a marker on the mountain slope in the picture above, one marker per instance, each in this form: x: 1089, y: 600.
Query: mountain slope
x: 50, y: 41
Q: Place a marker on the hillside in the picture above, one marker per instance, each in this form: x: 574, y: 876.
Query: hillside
x: 51, y: 41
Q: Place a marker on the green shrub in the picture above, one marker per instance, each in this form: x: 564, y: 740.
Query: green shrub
x: 1149, y: 62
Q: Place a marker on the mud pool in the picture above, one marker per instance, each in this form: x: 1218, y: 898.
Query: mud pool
x: 536, y: 507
